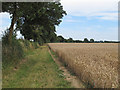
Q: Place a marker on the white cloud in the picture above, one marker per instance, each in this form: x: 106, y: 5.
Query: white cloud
x: 4, y: 22
x: 73, y: 21
x: 4, y: 15
x: 106, y: 16
x: 19, y: 35
x: 90, y: 8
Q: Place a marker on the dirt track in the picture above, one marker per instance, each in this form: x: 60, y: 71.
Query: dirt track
x: 74, y: 80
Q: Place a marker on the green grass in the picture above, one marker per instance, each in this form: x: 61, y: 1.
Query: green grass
x: 38, y: 71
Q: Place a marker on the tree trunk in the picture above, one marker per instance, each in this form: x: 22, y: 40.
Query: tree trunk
x: 12, y: 24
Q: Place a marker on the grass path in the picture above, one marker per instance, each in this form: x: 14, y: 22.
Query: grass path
x: 37, y: 70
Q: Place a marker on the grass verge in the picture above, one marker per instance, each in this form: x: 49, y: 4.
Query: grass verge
x: 38, y: 71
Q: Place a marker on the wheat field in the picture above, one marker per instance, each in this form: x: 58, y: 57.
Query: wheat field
x: 94, y: 63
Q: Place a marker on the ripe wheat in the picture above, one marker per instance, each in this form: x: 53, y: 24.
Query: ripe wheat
x: 94, y: 63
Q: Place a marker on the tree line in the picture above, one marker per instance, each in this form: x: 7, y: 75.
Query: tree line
x: 70, y: 40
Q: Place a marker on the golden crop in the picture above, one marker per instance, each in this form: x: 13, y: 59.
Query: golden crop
x: 94, y: 63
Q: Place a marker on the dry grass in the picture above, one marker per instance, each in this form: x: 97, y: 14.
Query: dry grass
x: 94, y: 63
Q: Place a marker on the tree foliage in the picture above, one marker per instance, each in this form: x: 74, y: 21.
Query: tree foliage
x: 42, y: 24
x: 92, y: 40
x: 13, y: 9
x: 86, y: 40
x: 70, y: 40
x: 60, y: 39
x: 36, y: 20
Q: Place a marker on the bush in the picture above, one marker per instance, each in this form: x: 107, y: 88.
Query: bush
x: 26, y: 44
x: 11, y: 52
x: 36, y: 45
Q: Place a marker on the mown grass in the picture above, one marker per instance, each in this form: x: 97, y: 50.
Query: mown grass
x: 38, y: 71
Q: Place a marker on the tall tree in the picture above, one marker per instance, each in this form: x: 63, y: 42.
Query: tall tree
x: 10, y: 8
x: 70, y: 40
x: 13, y: 8
x: 34, y: 20
x: 41, y: 23
x: 60, y: 39
x: 86, y: 40
x: 92, y: 40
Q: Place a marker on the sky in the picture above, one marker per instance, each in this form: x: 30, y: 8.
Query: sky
x: 97, y: 19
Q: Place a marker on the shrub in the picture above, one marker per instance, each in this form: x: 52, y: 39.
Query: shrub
x: 36, y: 45
x: 26, y: 44
x: 11, y: 52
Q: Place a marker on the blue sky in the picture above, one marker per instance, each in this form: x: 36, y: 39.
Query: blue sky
x: 80, y: 27
x: 95, y: 19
